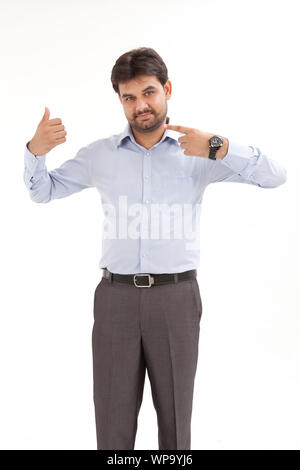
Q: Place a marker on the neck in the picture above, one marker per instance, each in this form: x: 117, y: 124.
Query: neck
x: 148, y: 140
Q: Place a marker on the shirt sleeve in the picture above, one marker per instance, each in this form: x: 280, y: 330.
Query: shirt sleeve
x: 246, y: 164
x: 72, y: 176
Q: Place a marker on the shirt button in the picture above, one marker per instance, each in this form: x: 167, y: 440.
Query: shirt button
x: 33, y: 159
x: 147, y: 153
x: 147, y: 200
x: 144, y: 255
x: 147, y: 176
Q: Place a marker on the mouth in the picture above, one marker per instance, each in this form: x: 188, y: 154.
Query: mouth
x: 144, y: 116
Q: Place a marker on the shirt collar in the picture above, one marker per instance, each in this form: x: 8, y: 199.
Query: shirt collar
x: 168, y: 134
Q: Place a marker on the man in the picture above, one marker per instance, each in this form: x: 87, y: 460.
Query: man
x: 147, y: 306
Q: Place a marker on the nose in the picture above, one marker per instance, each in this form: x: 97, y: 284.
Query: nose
x: 142, y: 107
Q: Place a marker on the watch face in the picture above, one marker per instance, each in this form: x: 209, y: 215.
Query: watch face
x: 216, y: 141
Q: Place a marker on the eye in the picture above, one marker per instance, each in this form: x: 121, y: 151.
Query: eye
x: 129, y: 97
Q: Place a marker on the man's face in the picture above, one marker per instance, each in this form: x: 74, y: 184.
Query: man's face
x: 141, y: 95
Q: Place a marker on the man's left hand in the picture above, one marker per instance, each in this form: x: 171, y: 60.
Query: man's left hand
x: 196, y: 143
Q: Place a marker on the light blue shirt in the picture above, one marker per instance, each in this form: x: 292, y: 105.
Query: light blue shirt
x: 132, y: 181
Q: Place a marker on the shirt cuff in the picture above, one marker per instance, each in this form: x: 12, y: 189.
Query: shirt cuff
x: 33, y: 163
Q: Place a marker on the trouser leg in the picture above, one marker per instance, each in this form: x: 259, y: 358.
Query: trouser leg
x: 118, y: 364
x: 170, y: 323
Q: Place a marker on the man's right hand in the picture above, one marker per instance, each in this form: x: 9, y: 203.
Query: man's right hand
x: 49, y: 134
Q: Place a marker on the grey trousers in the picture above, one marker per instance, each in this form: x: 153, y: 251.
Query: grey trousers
x: 135, y: 329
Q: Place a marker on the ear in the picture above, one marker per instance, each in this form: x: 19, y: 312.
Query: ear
x: 168, y: 89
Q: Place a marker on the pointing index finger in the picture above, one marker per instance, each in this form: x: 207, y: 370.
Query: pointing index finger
x: 181, y: 129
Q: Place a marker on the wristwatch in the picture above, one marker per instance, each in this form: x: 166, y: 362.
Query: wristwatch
x: 215, y: 142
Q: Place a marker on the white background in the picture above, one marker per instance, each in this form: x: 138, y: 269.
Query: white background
x: 233, y: 67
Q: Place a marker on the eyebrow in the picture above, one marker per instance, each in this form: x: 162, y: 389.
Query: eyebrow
x: 150, y: 87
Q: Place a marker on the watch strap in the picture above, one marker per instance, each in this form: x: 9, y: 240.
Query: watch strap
x: 212, y: 152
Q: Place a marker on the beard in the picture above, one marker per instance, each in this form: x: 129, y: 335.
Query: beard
x: 149, y: 124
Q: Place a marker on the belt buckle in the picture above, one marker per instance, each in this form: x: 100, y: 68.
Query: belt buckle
x: 150, y: 279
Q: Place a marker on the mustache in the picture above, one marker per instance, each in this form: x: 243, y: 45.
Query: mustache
x: 145, y: 113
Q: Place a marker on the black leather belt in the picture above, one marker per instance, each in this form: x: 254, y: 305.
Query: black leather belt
x: 149, y: 280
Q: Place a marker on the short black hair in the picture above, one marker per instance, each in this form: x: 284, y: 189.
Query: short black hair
x: 140, y: 61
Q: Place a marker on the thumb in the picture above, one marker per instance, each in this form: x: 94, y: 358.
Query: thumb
x: 46, y: 115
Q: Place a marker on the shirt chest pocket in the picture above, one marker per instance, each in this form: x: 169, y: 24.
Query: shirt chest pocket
x: 176, y: 188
